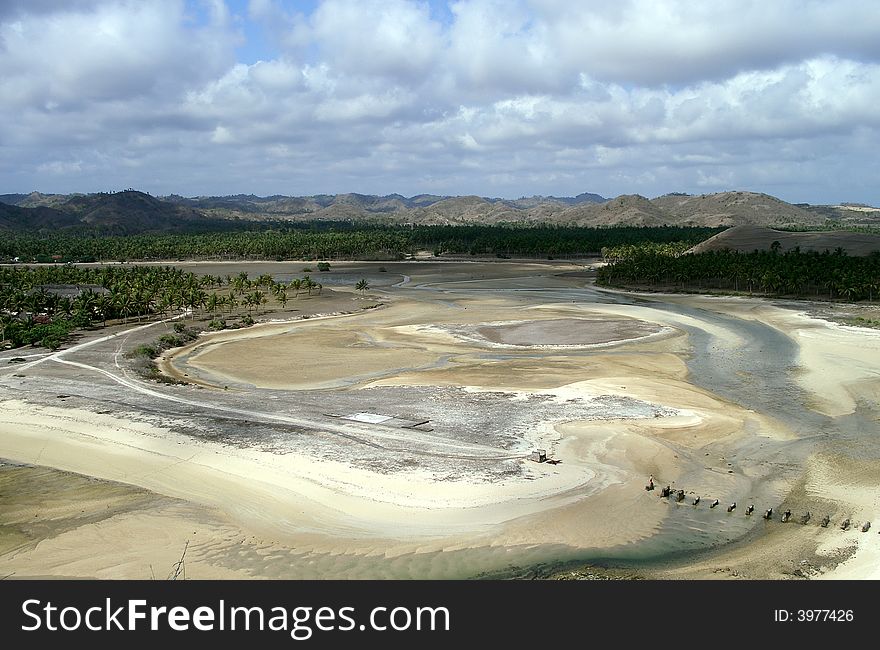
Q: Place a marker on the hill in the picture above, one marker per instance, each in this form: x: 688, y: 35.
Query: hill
x: 734, y: 209
x: 13, y: 217
x: 120, y: 213
x: 12, y: 199
x: 130, y: 211
x: 746, y: 239
x: 627, y: 210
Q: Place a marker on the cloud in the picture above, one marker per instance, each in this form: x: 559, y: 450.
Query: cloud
x: 106, y: 51
x: 376, y: 37
x: 510, y: 98
x: 680, y: 42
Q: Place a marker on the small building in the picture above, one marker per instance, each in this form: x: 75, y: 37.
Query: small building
x: 539, y: 455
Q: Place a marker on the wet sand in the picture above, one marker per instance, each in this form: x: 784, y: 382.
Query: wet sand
x: 566, y: 332
x: 461, y: 502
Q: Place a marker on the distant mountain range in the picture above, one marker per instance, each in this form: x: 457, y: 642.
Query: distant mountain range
x: 119, y: 213
x: 131, y: 211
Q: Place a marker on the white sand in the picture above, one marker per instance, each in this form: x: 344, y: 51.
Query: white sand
x: 325, y: 493
x: 600, y: 480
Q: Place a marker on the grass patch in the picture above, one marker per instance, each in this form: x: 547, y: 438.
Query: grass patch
x: 858, y: 321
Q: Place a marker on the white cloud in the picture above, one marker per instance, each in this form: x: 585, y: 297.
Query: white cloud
x: 111, y: 51
x: 377, y: 37
x: 521, y: 97
x: 61, y: 167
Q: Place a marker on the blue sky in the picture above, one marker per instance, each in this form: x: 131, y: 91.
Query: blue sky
x: 498, y: 98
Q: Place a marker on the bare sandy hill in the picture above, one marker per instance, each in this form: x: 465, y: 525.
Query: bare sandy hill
x: 136, y: 212
x: 626, y: 210
x: 746, y: 239
x: 721, y: 209
x: 733, y: 209
x: 465, y: 209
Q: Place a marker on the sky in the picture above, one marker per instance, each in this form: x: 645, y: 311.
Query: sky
x: 496, y: 98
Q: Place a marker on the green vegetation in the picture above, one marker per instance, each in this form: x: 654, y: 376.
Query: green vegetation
x: 859, y: 321
x: 143, y: 355
x: 43, y: 305
x: 625, y: 251
x: 830, y: 225
x: 794, y: 274
x: 334, y: 240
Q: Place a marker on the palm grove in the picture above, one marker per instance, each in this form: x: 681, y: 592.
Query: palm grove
x: 828, y: 275
x: 34, y: 312
x: 42, y: 305
x: 338, y: 240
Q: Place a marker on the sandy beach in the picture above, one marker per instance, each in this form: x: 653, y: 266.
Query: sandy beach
x: 394, y: 442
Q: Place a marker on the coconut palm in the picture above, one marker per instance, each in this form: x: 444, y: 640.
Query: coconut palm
x: 212, y: 304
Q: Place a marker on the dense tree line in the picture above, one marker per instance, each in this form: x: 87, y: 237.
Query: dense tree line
x: 797, y: 274
x: 624, y: 251
x: 340, y: 240
x: 42, y: 305
x: 830, y: 225
x: 548, y: 240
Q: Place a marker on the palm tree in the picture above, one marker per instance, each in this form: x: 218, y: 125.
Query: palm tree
x: 104, y: 306
x: 5, y: 320
x: 872, y: 286
x: 362, y: 286
x: 255, y: 299
x: 125, y: 304
x: 85, y: 303
x: 195, y: 298
x: 164, y: 303
x: 265, y: 280
x: 239, y: 282
x: 848, y: 290
x: 142, y: 303
x: 212, y: 303
x: 282, y: 298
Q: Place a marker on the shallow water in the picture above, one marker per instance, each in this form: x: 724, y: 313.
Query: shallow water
x: 757, y: 375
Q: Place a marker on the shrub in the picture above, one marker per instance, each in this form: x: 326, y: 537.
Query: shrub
x: 170, y: 341
x: 51, y: 342
x: 147, y: 351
